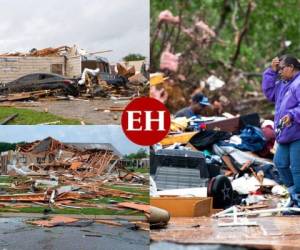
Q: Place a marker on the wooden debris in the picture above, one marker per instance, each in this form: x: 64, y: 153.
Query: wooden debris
x: 8, y: 119
x: 111, y: 109
x: 125, y: 72
x: 67, y: 181
x: 24, y: 197
x: 136, y: 206
x: 26, y: 95
x: 54, y: 221
x: 254, y: 206
x: 108, y: 222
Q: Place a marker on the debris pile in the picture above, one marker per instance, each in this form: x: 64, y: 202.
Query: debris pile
x: 59, y: 51
x: 216, y: 180
x: 228, y: 159
x: 57, y: 175
x: 126, y: 83
x: 95, y: 80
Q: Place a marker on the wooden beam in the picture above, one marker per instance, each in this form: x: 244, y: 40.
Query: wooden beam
x: 8, y: 119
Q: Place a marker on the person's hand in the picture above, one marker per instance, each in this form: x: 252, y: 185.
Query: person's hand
x: 159, y: 94
x: 275, y: 64
x: 286, y: 120
x: 218, y: 106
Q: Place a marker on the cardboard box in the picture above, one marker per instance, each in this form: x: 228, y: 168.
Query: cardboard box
x: 184, y: 206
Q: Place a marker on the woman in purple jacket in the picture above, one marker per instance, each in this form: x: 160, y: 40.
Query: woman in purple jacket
x: 281, y: 85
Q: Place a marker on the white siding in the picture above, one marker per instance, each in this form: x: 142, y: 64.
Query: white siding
x: 13, y: 67
x: 73, y: 66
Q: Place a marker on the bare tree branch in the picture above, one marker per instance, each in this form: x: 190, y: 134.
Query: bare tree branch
x: 225, y: 11
x: 242, y: 33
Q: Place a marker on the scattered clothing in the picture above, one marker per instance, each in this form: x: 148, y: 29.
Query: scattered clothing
x: 207, y: 138
x: 252, y: 139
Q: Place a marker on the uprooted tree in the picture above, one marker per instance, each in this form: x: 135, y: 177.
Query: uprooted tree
x: 232, y: 40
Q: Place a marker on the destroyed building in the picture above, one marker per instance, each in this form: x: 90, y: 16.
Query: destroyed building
x: 64, y: 60
x: 50, y: 154
x: 55, y: 173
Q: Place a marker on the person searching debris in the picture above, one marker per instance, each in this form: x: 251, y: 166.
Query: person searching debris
x: 281, y: 85
x: 199, y: 103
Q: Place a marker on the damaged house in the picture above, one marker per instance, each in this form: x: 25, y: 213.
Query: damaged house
x: 66, y: 61
x: 53, y: 172
x: 82, y: 159
x: 66, y: 71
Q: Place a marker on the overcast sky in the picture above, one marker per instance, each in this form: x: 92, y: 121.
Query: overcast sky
x: 94, y: 25
x: 89, y: 134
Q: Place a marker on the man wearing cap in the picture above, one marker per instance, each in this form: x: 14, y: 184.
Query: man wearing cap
x: 199, y: 102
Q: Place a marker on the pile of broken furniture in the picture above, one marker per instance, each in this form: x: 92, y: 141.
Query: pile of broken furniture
x: 212, y: 164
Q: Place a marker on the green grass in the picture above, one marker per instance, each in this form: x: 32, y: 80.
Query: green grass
x: 140, y: 195
x: 107, y: 200
x: 129, y: 189
x: 140, y: 170
x: 14, y: 179
x: 30, y: 117
x: 143, y: 196
x: 86, y: 211
x: 6, y: 179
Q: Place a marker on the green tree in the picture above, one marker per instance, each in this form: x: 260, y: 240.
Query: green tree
x: 4, y: 146
x: 140, y: 154
x: 133, y: 57
x: 249, y: 33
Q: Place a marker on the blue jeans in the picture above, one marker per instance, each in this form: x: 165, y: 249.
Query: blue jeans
x: 287, y: 161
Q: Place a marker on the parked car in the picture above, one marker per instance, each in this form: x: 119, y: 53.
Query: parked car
x: 41, y: 81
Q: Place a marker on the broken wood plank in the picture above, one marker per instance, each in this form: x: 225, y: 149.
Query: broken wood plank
x: 26, y: 95
x: 111, y: 109
x: 54, y: 221
x: 109, y: 222
x: 23, y: 197
x: 136, y: 206
x: 8, y: 119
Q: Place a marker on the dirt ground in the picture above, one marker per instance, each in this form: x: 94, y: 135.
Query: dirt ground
x: 83, y: 110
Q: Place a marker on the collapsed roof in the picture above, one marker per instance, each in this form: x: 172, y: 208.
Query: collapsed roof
x: 57, y: 51
x: 49, y: 146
